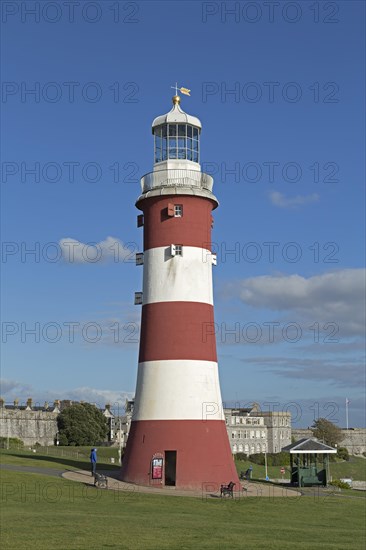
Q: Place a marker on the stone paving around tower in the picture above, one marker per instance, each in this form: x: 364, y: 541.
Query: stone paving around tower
x: 249, y: 489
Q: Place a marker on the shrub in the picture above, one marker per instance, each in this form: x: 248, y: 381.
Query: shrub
x: 13, y: 442
x: 273, y: 459
x: 343, y: 453
x: 241, y: 456
x: 340, y: 484
x: 258, y: 458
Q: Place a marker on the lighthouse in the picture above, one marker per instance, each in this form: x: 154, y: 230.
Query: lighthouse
x: 178, y: 435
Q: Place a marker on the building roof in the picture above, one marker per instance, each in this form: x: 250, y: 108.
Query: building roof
x: 307, y: 446
x: 238, y: 411
x: 177, y: 115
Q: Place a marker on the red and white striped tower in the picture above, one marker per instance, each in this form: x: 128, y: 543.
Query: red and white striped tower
x: 178, y: 434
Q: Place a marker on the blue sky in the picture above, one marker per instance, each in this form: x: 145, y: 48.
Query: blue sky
x: 281, y: 98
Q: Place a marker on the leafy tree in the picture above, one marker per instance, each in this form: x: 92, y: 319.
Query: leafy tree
x: 81, y: 424
x: 326, y: 431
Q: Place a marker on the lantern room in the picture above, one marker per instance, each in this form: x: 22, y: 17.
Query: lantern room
x: 176, y: 139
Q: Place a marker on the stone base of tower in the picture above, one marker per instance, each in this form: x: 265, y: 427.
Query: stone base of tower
x: 203, y: 459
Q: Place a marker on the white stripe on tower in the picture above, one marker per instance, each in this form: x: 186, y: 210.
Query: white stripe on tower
x: 177, y: 279
x: 180, y: 400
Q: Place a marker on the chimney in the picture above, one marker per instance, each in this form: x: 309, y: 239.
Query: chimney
x: 2, y: 402
x: 16, y: 403
x: 29, y: 404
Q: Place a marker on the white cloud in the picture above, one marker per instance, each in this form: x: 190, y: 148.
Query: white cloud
x: 111, y: 249
x: 12, y: 386
x: 280, y: 200
x: 335, y: 297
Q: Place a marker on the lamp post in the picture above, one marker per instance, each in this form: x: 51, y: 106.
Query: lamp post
x: 265, y: 465
x: 120, y: 442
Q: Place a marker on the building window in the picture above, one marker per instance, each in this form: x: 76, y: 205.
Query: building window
x: 178, y: 210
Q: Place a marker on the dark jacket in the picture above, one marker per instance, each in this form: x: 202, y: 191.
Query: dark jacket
x: 93, y: 455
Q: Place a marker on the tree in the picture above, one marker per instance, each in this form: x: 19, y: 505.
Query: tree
x: 81, y: 424
x: 326, y: 431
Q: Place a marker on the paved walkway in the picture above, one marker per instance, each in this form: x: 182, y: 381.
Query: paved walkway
x: 249, y: 489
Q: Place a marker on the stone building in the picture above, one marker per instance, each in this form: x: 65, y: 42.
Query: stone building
x: 37, y: 424
x: 252, y: 431
x: 247, y: 433
x: 33, y: 424
x: 278, y: 429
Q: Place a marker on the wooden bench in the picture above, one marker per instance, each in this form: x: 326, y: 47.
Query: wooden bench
x: 227, y: 490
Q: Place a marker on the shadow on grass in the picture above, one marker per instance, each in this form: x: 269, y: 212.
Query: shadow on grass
x: 72, y: 464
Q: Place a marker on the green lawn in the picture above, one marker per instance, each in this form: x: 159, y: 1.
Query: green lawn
x: 48, y: 512
x: 43, y: 512
x: 355, y: 469
x: 69, y: 458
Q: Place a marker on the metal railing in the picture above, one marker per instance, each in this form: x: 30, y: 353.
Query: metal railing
x: 176, y: 178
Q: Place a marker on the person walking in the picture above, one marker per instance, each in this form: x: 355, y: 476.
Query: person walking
x: 93, y: 461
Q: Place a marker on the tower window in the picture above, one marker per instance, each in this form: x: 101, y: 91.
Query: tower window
x: 176, y: 250
x: 178, y: 210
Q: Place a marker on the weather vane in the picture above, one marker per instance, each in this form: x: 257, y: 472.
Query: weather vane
x: 184, y: 91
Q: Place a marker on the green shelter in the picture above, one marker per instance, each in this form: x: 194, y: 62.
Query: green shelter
x: 309, y: 462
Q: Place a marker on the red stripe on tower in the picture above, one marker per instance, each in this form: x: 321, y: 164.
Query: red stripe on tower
x: 178, y: 435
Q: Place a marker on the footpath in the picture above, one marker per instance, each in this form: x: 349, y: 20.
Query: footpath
x: 248, y: 489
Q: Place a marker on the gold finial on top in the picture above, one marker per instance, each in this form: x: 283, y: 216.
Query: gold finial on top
x: 176, y: 97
